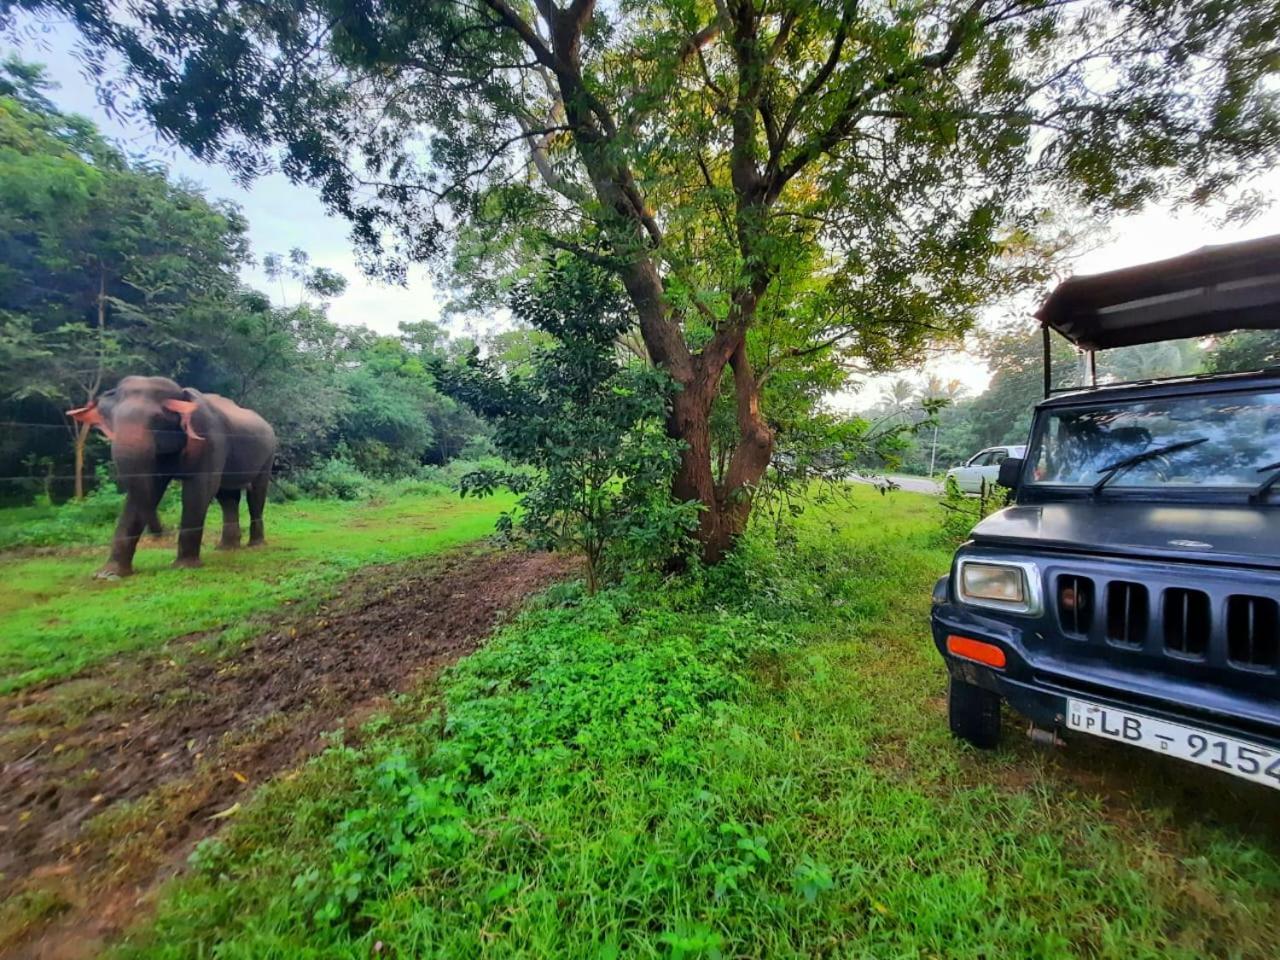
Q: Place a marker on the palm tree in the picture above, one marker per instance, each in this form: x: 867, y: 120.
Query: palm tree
x: 936, y: 389
x: 897, y: 396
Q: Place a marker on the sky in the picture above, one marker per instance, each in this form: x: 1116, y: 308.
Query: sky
x: 283, y: 216
x: 1154, y: 234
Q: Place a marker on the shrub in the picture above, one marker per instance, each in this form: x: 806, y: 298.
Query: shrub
x: 589, y: 427
x: 283, y: 490
x: 76, y: 521
x: 480, y: 447
x: 962, y: 512
x: 334, y: 479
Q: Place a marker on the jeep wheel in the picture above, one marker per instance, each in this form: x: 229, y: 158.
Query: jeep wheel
x: 974, y: 714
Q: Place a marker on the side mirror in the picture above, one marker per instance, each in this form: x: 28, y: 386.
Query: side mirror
x: 1010, y: 472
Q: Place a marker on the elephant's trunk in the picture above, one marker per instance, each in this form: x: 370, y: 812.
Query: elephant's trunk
x: 142, y: 434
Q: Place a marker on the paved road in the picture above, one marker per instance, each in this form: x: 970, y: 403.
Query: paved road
x: 914, y: 484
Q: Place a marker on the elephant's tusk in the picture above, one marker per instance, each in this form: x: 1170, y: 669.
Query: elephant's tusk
x: 184, y: 409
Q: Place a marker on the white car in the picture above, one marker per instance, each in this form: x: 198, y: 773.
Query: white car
x: 983, y: 467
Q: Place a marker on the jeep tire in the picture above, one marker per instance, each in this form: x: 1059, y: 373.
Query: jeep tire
x: 974, y: 714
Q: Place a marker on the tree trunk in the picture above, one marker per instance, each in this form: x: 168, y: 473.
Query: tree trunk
x: 81, y: 439
x: 750, y: 458
x: 726, y: 506
x: 690, y: 422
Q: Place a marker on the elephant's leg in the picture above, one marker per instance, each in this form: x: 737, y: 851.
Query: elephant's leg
x: 133, y: 518
x: 153, y: 522
x: 196, y: 494
x: 229, y: 500
x: 257, y: 499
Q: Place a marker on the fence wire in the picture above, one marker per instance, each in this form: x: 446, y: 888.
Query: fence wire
x: 40, y: 478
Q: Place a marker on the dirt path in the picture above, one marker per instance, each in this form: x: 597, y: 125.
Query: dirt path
x: 107, y: 780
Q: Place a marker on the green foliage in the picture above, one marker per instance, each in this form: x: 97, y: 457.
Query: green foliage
x: 109, y: 267
x: 104, y: 259
x: 106, y: 265
x: 961, y: 511
x: 591, y: 428
x: 752, y: 761
x: 334, y: 479
x: 1245, y: 350
x: 42, y: 524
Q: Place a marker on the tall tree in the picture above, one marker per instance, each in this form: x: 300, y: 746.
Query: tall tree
x: 858, y: 176
x: 1002, y: 413
x: 101, y: 255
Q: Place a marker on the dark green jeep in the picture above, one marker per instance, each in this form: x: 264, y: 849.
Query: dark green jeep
x: 1132, y: 588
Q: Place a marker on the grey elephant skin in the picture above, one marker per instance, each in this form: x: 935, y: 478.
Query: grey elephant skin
x: 161, y: 432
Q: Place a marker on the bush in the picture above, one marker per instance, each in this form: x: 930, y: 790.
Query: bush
x: 334, y: 479
x: 589, y: 429
x: 340, y: 479
x: 283, y: 490
x: 961, y: 512
x: 479, y: 447
x: 76, y: 521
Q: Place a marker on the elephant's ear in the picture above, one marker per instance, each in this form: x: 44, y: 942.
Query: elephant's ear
x: 185, y: 409
x: 91, y: 415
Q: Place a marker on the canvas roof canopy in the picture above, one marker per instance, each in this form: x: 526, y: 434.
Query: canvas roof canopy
x: 1233, y: 286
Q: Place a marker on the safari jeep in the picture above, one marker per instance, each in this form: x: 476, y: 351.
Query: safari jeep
x: 1131, y: 591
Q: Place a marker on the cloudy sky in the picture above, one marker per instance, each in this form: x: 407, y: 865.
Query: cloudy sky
x: 282, y: 216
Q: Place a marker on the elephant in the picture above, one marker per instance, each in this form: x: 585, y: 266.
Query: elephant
x: 160, y: 432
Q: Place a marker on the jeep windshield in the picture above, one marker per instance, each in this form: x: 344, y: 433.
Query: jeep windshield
x: 1224, y: 441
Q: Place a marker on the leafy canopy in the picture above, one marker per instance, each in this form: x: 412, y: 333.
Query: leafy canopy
x: 101, y: 258
x: 877, y: 170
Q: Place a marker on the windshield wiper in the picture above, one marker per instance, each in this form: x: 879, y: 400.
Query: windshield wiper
x: 1113, y: 470
x: 1261, y: 490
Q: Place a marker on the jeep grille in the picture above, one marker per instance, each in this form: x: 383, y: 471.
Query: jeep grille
x: 1253, y: 632
x: 1186, y: 622
x: 1127, y: 615
x: 1075, y: 604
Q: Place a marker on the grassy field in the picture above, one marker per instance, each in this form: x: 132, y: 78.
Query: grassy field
x: 58, y: 620
x: 752, y: 762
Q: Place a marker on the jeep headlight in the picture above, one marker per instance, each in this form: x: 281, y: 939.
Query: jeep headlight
x: 1004, y: 586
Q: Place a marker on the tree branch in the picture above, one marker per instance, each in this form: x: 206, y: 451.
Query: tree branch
x: 525, y: 32
x: 497, y: 151
x: 798, y: 352
x: 590, y: 256
x: 850, y: 113
x: 817, y: 80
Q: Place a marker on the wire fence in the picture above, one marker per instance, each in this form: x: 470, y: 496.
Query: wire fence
x: 69, y: 429
x: 35, y: 479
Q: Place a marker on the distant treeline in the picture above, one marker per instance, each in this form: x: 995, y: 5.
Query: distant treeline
x: 108, y: 267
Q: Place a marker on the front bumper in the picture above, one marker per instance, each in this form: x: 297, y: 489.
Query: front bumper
x: 1038, y: 686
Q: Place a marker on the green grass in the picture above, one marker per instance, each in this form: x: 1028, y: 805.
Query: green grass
x: 57, y: 620
x: 752, y: 763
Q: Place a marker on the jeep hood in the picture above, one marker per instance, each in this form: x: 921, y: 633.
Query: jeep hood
x: 1219, y: 534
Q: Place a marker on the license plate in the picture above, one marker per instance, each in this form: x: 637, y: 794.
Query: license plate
x: 1247, y: 760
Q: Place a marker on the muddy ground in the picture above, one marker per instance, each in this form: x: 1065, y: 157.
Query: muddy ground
x: 109, y: 778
